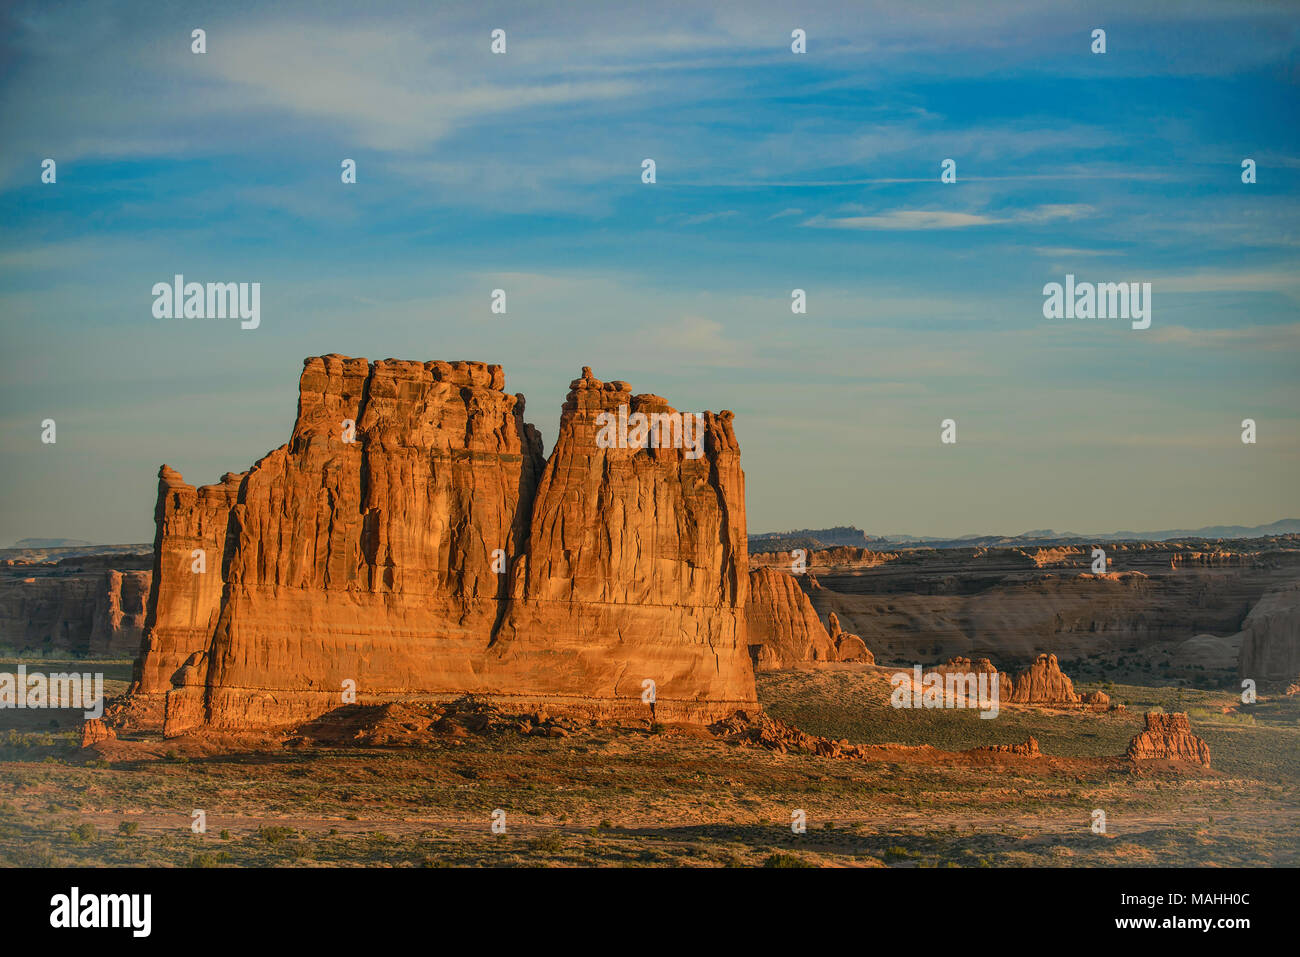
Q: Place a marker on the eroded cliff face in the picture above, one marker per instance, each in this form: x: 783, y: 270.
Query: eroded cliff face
x: 411, y: 542
x: 90, y: 605
x: 784, y: 629
x: 1270, y: 640
x: 636, y: 566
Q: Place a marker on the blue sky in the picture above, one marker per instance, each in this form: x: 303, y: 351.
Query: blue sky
x: 775, y: 171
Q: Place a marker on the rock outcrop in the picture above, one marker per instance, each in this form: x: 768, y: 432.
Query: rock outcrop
x: 843, y: 556
x: 1169, y: 736
x: 965, y: 665
x: 1026, y: 749
x: 784, y: 630
x: 1042, y: 683
x: 95, y: 730
x: 1096, y: 700
x: 849, y: 647
x: 410, y: 542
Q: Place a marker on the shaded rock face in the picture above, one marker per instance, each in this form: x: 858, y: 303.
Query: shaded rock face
x: 784, y: 630
x: 1169, y: 736
x: 84, y: 605
x: 849, y: 647
x: 1270, y: 640
x: 434, y: 553
x: 1042, y: 683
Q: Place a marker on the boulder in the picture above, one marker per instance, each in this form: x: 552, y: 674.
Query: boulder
x: 1096, y: 700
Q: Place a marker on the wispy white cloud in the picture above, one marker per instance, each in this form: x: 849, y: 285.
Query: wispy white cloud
x: 919, y: 219
x: 1255, y: 337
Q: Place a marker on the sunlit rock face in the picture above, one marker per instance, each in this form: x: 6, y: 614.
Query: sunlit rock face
x: 411, y: 541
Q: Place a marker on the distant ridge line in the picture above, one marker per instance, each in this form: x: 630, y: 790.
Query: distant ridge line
x: 852, y: 536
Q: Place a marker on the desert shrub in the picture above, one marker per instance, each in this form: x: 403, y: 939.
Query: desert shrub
x: 782, y: 859
x: 84, y: 833
x: 552, y: 842
x: 273, y: 834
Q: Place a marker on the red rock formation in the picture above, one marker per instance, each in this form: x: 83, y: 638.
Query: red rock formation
x: 95, y: 730
x: 849, y: 647
x: 1096, y: 700
x: 190, y: 524
x: 1169, y: 736
x: 1042, y: 683
x: 636, y: 567
x: 1026, y: 749
x: 120, y: 610
x: 784, y: 630
x: 436, y: 555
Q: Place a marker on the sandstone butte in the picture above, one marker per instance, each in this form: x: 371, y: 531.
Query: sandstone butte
x: 372, y: 561
x: 1042, y: 683
x: 1169, y: 736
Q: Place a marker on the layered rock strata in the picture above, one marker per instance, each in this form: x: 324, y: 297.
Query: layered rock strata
x: 410, y: 542
x: 80, y: 606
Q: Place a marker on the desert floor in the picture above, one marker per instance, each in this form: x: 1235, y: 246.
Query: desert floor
x: 611, y: 795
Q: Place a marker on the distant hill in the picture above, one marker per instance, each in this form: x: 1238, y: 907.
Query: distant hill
x: 851, y: 535
x: 53, y: 553
x: 48, y: 543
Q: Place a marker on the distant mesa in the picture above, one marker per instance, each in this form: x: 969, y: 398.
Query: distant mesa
x: 48, y: 543
x: 851, y: 536
x: 437, y: 553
